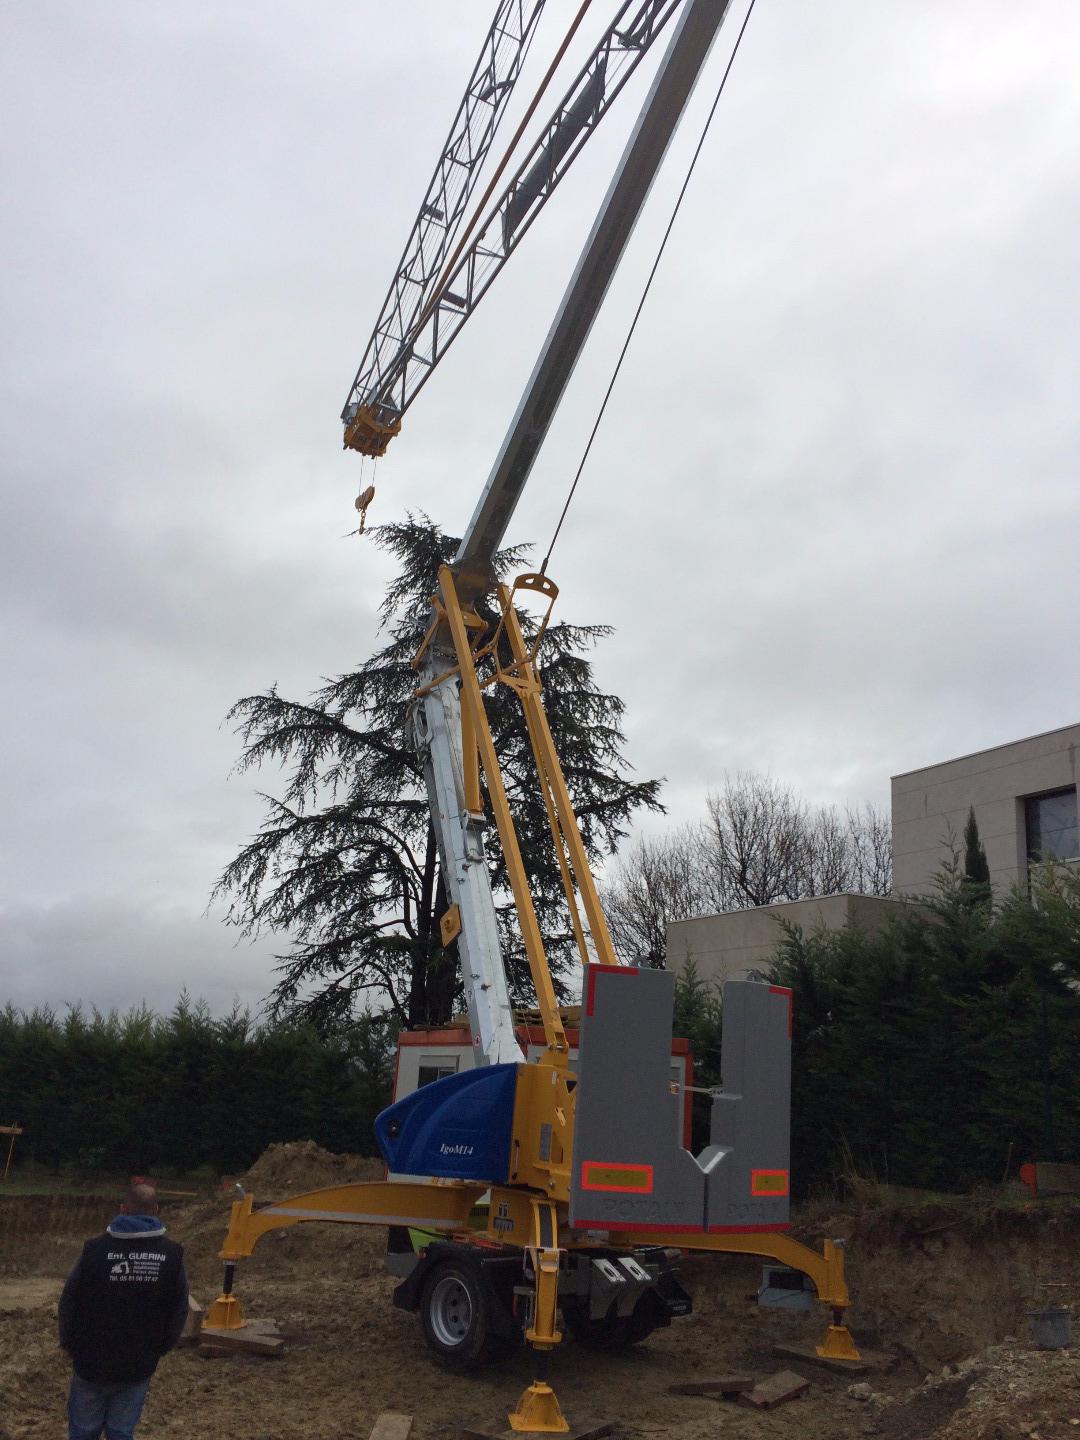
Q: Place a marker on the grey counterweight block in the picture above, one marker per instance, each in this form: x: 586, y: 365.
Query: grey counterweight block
x: 629, y: 1169
x: 747, y: 1163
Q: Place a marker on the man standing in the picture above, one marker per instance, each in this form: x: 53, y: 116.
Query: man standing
x: 122, y: 1309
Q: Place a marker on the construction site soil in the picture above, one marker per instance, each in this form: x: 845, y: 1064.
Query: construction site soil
x: 946, y: 1287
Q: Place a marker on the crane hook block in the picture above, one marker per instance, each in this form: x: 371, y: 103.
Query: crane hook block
x: 367, y: 434
x: 362, y: 501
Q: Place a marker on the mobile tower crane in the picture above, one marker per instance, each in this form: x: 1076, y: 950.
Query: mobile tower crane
x: 589, y: 1191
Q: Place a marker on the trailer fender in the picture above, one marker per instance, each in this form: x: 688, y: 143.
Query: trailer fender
x: 498, y: 1271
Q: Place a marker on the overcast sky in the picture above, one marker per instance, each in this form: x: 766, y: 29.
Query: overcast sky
x: 832, y: 512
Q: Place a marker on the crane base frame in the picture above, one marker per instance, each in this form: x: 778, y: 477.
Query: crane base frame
x: 445, y: 1207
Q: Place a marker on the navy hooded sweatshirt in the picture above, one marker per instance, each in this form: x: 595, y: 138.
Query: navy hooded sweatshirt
x: 125, y: 1303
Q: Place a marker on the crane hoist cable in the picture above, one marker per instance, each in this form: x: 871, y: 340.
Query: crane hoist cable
x: 648, y: 283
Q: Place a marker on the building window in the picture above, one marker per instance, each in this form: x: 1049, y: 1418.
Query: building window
x: 436, y: 1067
x: 1051, y: 825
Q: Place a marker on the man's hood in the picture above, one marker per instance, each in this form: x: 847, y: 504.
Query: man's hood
x: 146, y: 1225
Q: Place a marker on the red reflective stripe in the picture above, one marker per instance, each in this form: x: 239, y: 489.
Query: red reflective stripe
x: 594, y: 970
x: 782, y: 990
x: 784, y: 1175
x: 618, y: 1226
x: 646, y: 1171
x: 746, y: 1229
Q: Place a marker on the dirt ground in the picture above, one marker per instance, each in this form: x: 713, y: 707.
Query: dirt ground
x: 947, y: 1290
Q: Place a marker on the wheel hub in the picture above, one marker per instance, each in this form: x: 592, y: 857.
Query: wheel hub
x: 450, y: 1311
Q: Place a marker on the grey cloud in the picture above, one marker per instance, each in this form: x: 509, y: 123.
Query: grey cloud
x: 832, y: 510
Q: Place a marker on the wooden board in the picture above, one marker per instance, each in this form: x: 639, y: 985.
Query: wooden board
x: 501, y: 1430
x: 869, y: 1361
x: 392, y: 1425
x: 189, y: 1335
x: 785, y: 1385
x: 257, y: 1337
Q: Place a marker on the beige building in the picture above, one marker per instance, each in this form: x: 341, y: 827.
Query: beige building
x: 1024, y: 796
x: 730, y: 946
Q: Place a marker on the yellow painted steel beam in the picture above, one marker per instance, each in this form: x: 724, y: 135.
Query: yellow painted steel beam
x: 443, y: 1207
x: 543, y: 1131
x: 473, y: 702
x: 826, y: 1269
x: 547, y: 759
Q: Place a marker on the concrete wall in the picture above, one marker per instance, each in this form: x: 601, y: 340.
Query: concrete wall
x: 729, y: 946
x: 926, y: 803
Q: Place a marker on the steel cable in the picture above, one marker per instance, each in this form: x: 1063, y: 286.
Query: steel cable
x: 649, y: 281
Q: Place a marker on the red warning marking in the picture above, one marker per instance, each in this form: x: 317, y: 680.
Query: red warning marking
x: 746, y: 1229
x: 782, y: 990
x: 770, y: 1183
x: 594, y: 971
x: 618, y: 1226
x: 618, y: 1179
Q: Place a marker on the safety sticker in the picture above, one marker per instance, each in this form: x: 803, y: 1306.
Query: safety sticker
x: 623, y: 1179
x: 769, y: 1182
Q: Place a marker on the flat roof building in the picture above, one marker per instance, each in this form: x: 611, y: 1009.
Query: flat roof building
x: 1024, y: 798
x: 736, y: 943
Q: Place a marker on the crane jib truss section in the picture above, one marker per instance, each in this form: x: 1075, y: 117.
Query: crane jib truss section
x: 381, y: 394
x: 471, y: 134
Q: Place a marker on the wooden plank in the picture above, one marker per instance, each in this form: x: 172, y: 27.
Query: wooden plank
x: 500, y: 1429
x: 193, y: 1324
x: 869, y: 1361
x: 257, y: 1338
x: 392, y: 1425
x: 785, y: 1385
x: 724, y: 1385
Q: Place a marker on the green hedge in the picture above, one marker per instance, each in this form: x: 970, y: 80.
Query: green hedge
x: 141, y: 1092
x: 942, y: 1052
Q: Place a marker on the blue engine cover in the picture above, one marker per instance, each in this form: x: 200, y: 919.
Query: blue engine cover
x: 458, y: 1128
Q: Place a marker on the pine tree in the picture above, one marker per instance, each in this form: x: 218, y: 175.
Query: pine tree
x: 345, y: 865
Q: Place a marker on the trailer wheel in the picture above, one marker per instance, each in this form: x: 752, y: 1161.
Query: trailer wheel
x: 455, y: 1313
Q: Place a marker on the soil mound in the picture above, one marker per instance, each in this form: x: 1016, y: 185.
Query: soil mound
x: 302, y: 1165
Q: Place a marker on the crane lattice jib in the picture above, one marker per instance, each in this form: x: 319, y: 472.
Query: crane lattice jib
x: 475, y: 123
x: 382, y: 392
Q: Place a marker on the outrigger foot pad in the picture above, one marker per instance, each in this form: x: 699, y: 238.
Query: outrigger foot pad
x: 838, y: 1344
x: 538, y: 1410
x: 225, y: 1314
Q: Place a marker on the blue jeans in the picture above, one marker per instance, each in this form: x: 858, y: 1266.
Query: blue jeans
x: 116, y: 1408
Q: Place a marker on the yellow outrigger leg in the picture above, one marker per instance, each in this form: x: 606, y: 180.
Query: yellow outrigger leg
x: 537, y: 1409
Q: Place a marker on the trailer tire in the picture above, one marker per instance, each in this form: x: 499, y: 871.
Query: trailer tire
x: 455, y: 1313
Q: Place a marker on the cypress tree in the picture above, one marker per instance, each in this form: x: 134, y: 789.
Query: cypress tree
x: 345, y: 866
x: 976, y: 867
